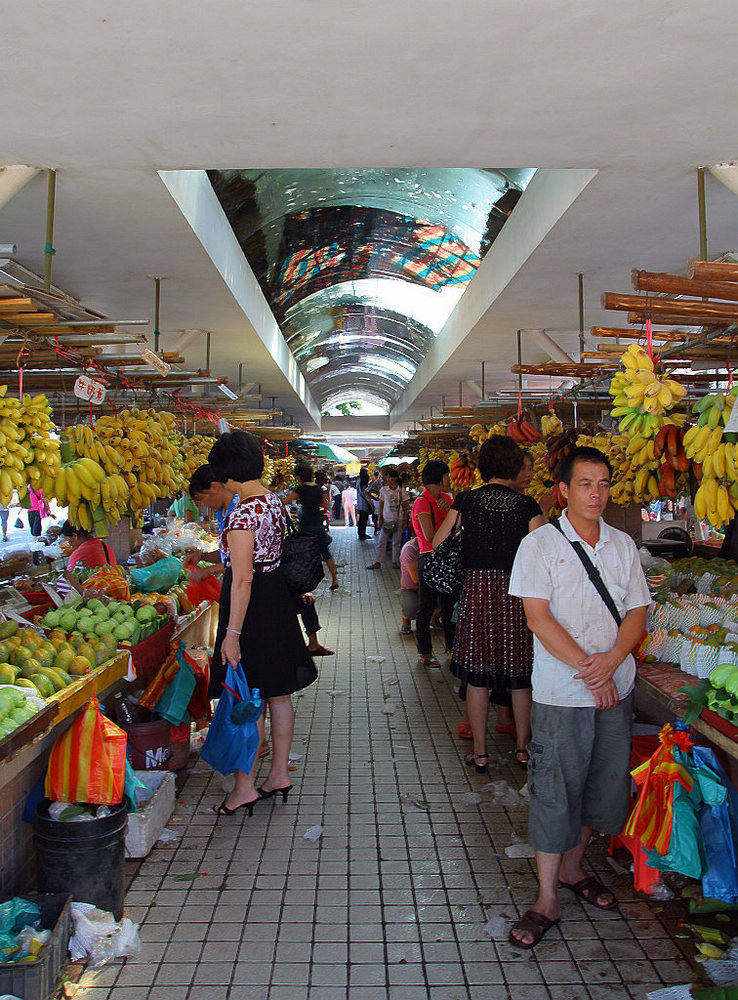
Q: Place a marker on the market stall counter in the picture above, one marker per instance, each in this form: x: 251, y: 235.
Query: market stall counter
x: 657, y: 687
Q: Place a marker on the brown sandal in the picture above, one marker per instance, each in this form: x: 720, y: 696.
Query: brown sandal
x: 534, y: 923
x: 588, y: 889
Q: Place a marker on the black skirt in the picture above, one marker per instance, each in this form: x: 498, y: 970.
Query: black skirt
x: 274, y: 656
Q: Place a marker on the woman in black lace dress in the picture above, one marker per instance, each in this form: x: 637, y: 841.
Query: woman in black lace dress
x: 493, y: 646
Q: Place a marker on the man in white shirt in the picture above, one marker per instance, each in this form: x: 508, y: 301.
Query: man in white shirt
x: 583, y: 677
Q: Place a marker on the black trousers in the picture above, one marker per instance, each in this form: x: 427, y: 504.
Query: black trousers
x: 428, y: 598
x: 362, y: 523
x: 34, y: 522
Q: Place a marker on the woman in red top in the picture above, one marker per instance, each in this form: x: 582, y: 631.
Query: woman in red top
x: 428, y: 514
x: 87, y: 550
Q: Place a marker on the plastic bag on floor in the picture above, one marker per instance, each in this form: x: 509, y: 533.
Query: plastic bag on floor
x: 99, y: 938
x: 505, y: 795
x: 496, y: 928
x: 520, y: 851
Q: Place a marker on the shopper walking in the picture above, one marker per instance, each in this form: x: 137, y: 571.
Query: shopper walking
x: 493, y: 647
x: 348, y: 502
x: 587, y: 608
x: 336, y: 490
x: 39, y: 510
x: 314, y: 508
x: 427, y: 516
x: 363, y: 503
x: 257, y: 625
x: 388, y: 520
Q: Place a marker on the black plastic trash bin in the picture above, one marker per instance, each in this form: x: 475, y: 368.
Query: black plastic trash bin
x: 84, y: 859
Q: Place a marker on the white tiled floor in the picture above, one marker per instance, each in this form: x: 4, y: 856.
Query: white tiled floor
x: 392, y: 901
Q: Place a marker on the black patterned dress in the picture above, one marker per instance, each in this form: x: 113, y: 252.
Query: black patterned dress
x: 274, y: 656
x: 493, y: 646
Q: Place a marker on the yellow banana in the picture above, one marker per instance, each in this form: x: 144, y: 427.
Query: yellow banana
x: 74, y: 489
x: 724, y: 506
x: 718, y: 461
x: 95, y: 470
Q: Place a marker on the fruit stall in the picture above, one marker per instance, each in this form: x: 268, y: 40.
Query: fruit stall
x: 647, y: 398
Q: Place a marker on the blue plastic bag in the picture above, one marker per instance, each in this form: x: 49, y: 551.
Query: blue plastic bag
x: 17, y: 913
x: 159, y: 577
x: 719, y: 823
x: 131, y: 786
x: 231, y: 744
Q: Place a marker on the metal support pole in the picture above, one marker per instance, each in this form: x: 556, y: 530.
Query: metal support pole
x: 49, y: 248
x: 157, y: 303
x: 520, y: 360
x: 483, y: 389
x: 460, y: 394
x: 580, y: 278
x: 443, y: 402
x: 207, y: 351
x: 702, y: 208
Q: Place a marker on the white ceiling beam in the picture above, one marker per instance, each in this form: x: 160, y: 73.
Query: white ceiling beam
x: 727, y: 174
x: 549, y: 345
x: 13, y: 179
x: 193, y: 193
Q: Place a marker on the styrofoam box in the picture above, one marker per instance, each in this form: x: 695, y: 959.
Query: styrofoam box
x: 144, y: 828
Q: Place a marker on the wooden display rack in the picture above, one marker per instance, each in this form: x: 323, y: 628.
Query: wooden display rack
x: 75, y: 695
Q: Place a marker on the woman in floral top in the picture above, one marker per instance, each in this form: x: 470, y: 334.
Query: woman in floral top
x: 257, y: 627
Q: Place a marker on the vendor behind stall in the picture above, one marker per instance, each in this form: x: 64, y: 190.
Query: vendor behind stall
x: 184, y: 508
x: 87, y: 550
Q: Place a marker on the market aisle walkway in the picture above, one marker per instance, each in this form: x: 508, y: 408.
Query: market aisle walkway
x: 391, y: 903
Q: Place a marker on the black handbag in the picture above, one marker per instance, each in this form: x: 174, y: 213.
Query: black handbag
x: 442, y: 569
x: 301, y: 563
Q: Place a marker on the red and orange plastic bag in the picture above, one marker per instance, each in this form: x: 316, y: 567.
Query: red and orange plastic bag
x: 88, y: 761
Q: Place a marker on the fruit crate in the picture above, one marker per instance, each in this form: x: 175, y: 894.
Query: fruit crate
x: 39, y: 980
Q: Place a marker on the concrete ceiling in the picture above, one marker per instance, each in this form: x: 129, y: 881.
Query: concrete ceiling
x: 110, y: 94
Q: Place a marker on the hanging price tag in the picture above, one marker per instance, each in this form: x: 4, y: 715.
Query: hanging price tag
x: 155, y: 361
x: 90, y: 389
x: 223, y: 425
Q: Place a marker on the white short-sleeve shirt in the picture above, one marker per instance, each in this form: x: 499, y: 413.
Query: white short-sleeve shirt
x: 547, y: 567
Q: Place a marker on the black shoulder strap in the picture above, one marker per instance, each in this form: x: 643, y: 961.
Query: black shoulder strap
x: 592, y: 573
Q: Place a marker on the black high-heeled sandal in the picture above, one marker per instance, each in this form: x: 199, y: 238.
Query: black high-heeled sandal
x: 275, y: 791
x: 472, y: 760
x: 223, y: 810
